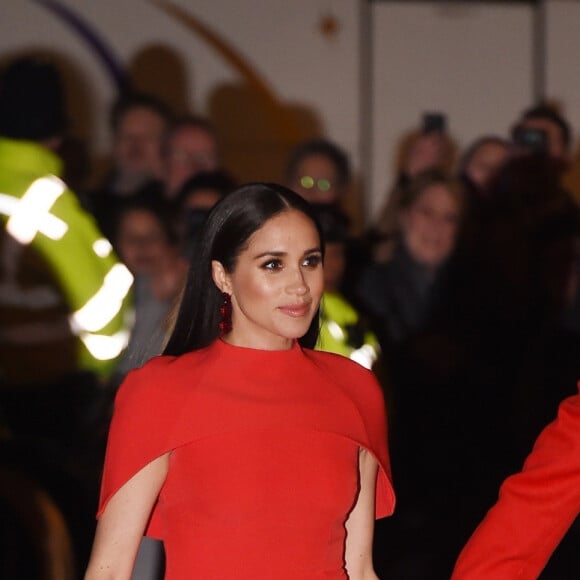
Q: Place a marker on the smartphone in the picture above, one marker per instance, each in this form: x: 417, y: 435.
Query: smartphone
x: 434, y: 122
x: 532, y: 140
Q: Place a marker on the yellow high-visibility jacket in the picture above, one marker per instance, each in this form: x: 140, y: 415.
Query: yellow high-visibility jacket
x: 341, y: 331
x: 64, y: 295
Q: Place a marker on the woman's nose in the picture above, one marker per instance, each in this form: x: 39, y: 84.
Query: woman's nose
x: 297, y: 283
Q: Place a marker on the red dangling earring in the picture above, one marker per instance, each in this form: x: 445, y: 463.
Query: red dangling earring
x: 225, y: 314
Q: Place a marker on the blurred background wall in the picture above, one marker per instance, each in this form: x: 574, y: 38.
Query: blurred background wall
x: 270, y: 73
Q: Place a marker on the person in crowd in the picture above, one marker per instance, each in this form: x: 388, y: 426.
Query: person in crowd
x: 555, y: 130
x: 194, y: 201
x: 399, y: 293
x: 515, y: 281
x: 64, y: 299
x: 478, y: 168
x: 139, y: 123
x: 524, y: 278
x: 342, y: 330
x: 411, y: 300
x: 54, y: 268
x: 535, y: 508
x: 423, y: 150
x: 232, y: 400
x: 319, y: 171
x: 191, y: 148
x: 480, y: 163
x: 147, y: 244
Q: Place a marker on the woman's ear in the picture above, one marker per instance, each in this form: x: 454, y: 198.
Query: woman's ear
x: 220, y: 277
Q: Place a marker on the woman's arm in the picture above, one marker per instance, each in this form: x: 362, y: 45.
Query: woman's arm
x: 361, y: 523
x: 121, y: 525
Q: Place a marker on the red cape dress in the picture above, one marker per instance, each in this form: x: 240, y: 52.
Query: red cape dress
x: 264, y: 458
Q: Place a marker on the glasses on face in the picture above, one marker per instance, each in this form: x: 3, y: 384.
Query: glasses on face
x: 308, y: 182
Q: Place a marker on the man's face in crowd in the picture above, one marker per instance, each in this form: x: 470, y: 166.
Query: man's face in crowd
x: 138, y: 143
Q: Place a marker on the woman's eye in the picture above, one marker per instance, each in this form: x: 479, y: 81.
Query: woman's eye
x: 313, y: 261
x: 274, y: 264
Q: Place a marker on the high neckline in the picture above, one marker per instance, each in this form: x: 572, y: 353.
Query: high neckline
x: 224, y: 346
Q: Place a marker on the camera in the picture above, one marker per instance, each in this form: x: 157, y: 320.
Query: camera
x: 531, y: 140
x: 434, y: 122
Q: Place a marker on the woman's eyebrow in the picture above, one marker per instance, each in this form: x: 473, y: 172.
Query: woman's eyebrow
x: 279, y: 254
x: 273, y: 253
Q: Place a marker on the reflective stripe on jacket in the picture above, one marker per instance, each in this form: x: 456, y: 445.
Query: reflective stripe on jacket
x: 40, y: 214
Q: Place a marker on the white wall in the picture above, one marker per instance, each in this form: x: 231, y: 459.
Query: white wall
x: 472, y: 61
x: 562, y: 78
x: 280, y: 40
x: 562, y: 55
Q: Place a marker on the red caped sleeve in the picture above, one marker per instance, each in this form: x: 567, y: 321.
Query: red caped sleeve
x: 141, y: 430
x: 534, y: 510
x: 363, y: 389
x: 372, y: 406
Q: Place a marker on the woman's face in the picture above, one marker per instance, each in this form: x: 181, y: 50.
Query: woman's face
x: 276, y: 284
x: 486, y: 162
x: 430, y: 225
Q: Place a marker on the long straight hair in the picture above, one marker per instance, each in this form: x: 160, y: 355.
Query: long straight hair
x: 223, y: 237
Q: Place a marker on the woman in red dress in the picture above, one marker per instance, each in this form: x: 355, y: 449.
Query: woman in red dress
x: 249, y: 454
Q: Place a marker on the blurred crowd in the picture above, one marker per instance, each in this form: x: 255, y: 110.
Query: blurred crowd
x: 462, y: 294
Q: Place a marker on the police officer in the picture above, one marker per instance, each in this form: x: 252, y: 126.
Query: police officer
x: 64, y: 301
x: 63, y: 293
